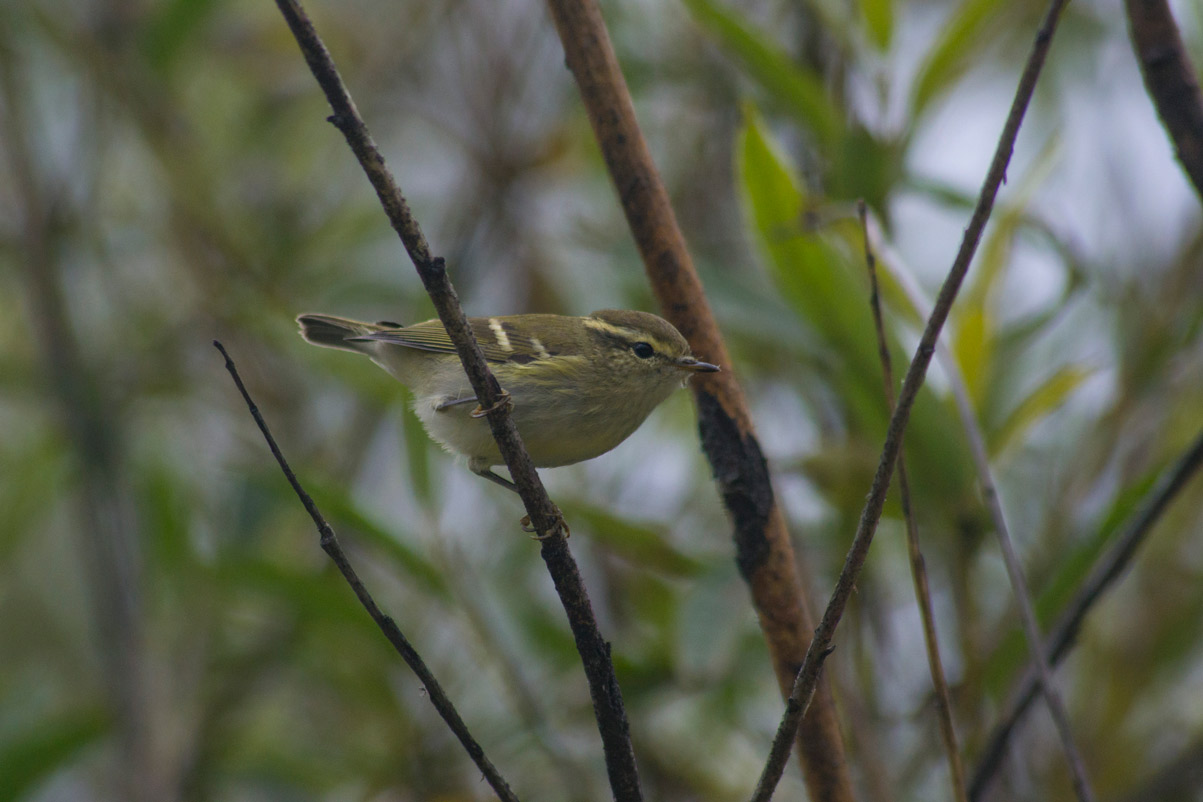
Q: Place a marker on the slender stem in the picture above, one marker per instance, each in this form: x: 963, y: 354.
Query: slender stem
x: 820, y: 647
x: 1063, y: 634
x: 976, y: 439
x: 1019, y: 586
x: 332, y: 547
x: 948, y: 733
x: 763, y: 550
x: 530, y: 707
x: 545, y: 517
x: 1171, y: 80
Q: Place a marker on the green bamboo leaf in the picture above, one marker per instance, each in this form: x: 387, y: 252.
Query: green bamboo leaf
x: 820, y: 276
x: 338, y: 505
x: 1049, y: 395
x: 960, y: 42
x: 774, y: 195
x: 792, y: 86
x: 812, y: 271
x: 971, y: 349
x: 45, y: 470
x: 977, y: 334
x: 806, y: 265
x: 1072, y: 567
x: 171, y: 27
x: 314, y: 598
x: 975, y: 330
x: 36, y: 753
x: 879, y: 21
x: 642, y: 544
x: 167, y: 508
x: 343, y: 512
x: 1009, y: 219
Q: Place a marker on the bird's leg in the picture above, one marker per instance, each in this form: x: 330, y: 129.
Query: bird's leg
x: 484, y: 472
x: 447, y: 403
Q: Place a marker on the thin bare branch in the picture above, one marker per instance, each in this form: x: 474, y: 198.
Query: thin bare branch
x: 545, y: 517
x: 763, y: 550
x: 1019, y: 586
x: 1109, y: 569
x: 1171, y: 80
x: 330, y: 545
x: 821, y: 646
x: 948, y: 733
x: 974, y: 435
x: 531, y: 707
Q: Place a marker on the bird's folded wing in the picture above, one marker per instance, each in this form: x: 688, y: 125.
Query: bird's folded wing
x: 497, y: 337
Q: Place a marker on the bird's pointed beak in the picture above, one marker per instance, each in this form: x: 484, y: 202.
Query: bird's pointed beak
x: 696, y: 366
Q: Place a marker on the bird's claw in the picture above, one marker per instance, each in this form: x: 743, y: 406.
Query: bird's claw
x: 501, y: 401
x: 558, y: 525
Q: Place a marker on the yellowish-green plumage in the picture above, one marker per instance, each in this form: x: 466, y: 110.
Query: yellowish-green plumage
x: 580, y: 385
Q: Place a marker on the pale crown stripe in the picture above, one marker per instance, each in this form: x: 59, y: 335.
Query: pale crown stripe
x: 503, y: 339
x: 603, y: 326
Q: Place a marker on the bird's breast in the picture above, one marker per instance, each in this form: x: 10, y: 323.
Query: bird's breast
x: 559, y: 426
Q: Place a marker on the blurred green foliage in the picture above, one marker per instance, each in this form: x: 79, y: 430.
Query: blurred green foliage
x: 170, y: 627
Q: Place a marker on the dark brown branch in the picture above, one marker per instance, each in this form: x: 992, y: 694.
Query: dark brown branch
x: 1064, y: 632
x: 332, y: 547
x: 821, y: 646
x: 546, y: 519
x: 948, y: 733
x: 763, y: 551
x: 1170, y: 78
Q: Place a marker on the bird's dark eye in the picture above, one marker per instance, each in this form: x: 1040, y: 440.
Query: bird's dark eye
x: 642, y: 350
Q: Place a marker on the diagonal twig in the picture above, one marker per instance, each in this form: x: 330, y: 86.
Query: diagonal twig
x: 974, y: 436
x: 1023, y: 597
x: 820, y: 646
x: 330, y: 545
x: 1106, y: 572
x: 948, y: 733
x: 1171, y: 80
x: 763, y: 550
x: 594, y: 650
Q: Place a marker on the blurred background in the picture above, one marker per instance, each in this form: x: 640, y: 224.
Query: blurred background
x: 170, y: 628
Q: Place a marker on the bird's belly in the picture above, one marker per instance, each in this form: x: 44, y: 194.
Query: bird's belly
x: 554, y: 435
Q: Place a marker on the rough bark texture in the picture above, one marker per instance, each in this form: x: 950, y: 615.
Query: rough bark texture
x: 806, y: 686
x: 763, y: 550
x: 545, y: 517
x: 1170, y: 79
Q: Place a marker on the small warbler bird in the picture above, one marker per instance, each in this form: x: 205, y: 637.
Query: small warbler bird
x: 580, y: 385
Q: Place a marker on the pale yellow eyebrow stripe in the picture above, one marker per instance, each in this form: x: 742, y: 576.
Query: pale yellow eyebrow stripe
x: 503, y: 339
x: 623, y: 333
x: 606, y: 328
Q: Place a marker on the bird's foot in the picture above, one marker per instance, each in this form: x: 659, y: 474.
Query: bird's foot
x: 501, y: 401
x: 558, y: 525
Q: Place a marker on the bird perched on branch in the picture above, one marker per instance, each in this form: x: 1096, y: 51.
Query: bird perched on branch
x: 579, y: 385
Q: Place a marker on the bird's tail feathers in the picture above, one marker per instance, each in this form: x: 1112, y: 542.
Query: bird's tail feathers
x: 336, y: 332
